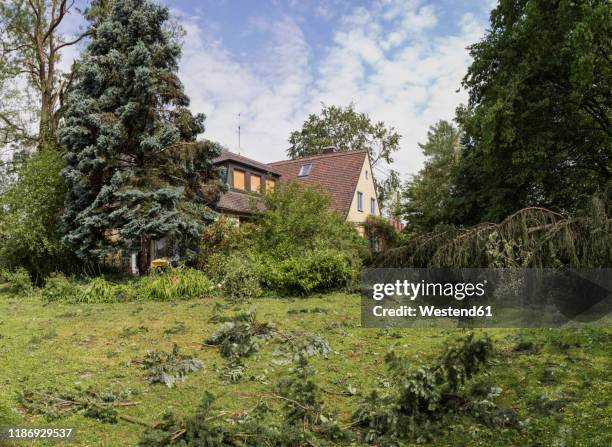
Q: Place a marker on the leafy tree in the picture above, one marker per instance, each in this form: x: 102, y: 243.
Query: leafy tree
x: 297, y: 219
x: 426, y: 195
x: 539, y: 119
x: 30, y: 217
x: 30, y: 48
x: 347, y: 129
x: 135, y: 170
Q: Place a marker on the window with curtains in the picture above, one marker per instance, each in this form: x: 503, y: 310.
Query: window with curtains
x: 359, y: 201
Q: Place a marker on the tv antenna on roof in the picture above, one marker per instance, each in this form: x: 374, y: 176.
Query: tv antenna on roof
x: 239, y: 133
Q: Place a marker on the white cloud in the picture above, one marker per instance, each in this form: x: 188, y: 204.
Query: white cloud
x: 387, y: 59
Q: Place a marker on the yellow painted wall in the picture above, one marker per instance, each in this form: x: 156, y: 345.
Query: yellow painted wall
x: 366, y: 186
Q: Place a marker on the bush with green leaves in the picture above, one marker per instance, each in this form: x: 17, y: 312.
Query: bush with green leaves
x: 59, y: 288
x: 315, y: 271
x: 221, y: 238
x: 297, y: 246
x: 15, y: 281
x: 297, y: 219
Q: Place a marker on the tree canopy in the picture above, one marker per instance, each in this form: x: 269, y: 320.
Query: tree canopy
x: 538, y: 124
x: 426, y: 195
x: 346, y: 129
x: 135, y: 170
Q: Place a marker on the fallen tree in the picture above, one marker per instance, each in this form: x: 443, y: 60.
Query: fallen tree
x: 531, y: 237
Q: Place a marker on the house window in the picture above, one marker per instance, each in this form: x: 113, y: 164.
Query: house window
x: 239, y: 179
x: 366, y: 174
x: 359, y: 201
x: 372, y: 206
x: 270, y: 184
x: 305, y: 170
x: 255, y: 183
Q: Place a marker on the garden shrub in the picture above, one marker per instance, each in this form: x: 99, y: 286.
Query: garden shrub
x: 16, y: 281
x: 315, y: 271
x: 222, y: 237
x: 59, y: 288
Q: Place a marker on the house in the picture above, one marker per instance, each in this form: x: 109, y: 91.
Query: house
x: 244, y: 178
x: 346, y: 176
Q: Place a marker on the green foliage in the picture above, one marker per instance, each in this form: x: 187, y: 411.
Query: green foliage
x: 8, y: 417
x: 170, y: 285
x: 168, y: 367
x: 298, y: 219
x: 240, y: 277
x: 426, y: 195
x: 295, y: 247
x: 379, y: 228
x: 301, y: 423
x: 421, y: 398
x: 314, y: 271
x: 303, y: 397
x: 298, y: 345
x: 135, y: 170
x: 347, y: 130
x: 17, y: 281
x: 183, y: 283
x: 59, y: 288
x: 537, y: 125
x: 531, y: 237
x: 221, y: 238
x: 30, y: 217
x: 55, y: 404
x: 98, y: 290
x: 240, y: 336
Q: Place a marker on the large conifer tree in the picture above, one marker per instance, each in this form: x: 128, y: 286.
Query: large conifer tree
x: 135, y: 170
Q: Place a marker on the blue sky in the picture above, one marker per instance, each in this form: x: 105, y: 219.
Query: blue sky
x: 274, y: 62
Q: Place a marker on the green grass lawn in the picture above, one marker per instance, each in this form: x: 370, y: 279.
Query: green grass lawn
x: 64, y: 345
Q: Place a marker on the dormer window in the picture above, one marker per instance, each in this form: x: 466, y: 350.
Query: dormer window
x: 239, y: 179
x: 305, y: 170
x: 255, y: 183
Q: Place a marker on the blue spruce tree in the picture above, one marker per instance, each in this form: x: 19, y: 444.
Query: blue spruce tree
x: 135, y: 172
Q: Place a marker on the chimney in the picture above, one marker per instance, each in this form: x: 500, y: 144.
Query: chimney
x: 329, y: 149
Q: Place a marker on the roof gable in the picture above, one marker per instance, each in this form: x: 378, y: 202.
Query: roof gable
x: 336, y: 173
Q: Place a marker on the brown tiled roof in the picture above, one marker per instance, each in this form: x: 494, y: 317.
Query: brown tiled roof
x: 227, y: 155
x: 336, y: 173
x: 241, y: 203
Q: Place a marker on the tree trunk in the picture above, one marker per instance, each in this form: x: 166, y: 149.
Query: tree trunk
x: 144, y: 255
